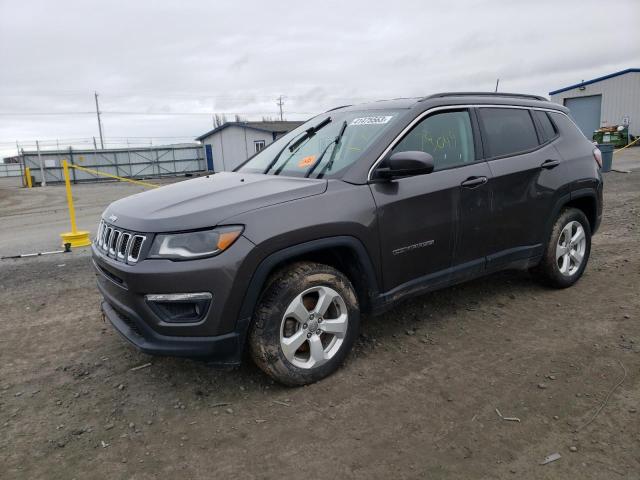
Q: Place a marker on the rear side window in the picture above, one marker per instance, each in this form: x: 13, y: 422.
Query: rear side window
x: 446, y: 136
x: 507, y: 131
x: 547, y: 129
x: 568, y: 129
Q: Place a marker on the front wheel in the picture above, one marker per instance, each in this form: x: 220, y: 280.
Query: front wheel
x: 305, y: 324
x: 567, y: 251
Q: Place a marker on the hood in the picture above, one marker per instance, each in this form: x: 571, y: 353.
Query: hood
x: 206, y: 201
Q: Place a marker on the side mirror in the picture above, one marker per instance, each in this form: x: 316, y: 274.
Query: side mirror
x: 405, y: 164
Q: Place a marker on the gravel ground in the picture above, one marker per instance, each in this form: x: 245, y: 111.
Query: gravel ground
x: 416, y: 399
x: 33, y: 219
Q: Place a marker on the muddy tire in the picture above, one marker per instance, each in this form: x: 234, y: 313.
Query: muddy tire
x: 305, y: 324
x: 567, y: 251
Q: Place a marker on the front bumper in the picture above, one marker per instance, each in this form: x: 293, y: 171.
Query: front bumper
x: 223, y: 348
x: 219, y: 335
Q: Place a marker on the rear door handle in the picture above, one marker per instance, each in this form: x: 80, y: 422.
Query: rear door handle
x: 473, y: 182
x: 549, y: 164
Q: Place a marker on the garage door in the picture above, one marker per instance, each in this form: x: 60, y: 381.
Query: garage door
x: 586, y: 112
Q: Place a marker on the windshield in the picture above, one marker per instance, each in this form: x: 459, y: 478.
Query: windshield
x: 322, y: 147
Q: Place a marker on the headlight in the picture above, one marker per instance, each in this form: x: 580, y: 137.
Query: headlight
x: 192, y: 245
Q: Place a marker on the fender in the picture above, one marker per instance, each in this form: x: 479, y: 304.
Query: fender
x: 596, y: 195
x: 564, y: 200
x: 584, y: 192
x: 267, y: 265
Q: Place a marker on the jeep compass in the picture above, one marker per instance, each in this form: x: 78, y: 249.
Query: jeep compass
x: 356, y: 209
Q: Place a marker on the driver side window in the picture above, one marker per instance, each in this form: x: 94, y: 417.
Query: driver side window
x: 446, y: 136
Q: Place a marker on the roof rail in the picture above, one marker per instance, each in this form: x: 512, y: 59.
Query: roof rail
x: 483, y: 94
x: 336, y: 108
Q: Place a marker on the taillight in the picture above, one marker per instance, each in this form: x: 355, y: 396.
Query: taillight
x: 597, y: 155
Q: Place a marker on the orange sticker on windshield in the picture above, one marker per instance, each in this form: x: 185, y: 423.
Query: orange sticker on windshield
x: 306, y: 161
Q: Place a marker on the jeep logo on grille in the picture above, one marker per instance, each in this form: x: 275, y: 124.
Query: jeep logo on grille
x: 112, y: 218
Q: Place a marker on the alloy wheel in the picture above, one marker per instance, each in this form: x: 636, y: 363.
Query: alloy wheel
x: 313, y: 327
x: 571, y: 248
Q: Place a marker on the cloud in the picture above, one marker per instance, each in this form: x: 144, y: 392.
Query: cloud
x: 202, y: 57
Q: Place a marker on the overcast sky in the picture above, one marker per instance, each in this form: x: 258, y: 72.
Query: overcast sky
x: 175, y: 63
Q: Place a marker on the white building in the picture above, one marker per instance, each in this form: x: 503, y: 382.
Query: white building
x: 613, y: 99
x: 228, y: 145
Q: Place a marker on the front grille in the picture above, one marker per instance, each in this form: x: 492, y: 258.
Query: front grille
x: 120, y: 245
x: 128, y: 321
x: 132, y: 325
x: 135, y: 248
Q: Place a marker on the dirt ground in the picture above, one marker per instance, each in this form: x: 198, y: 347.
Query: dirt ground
x: 416, y: 399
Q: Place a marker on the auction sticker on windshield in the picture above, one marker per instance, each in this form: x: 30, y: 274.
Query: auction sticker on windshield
x: 306, y: 161
x: 379, y: 120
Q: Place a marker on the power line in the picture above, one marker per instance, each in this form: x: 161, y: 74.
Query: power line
x: 44, y: 113
x: 103, y: 112
x: 247, y: 96
x: 200, y: 113
x: 90, y: 139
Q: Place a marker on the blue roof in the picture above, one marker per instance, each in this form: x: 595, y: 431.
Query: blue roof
x: 599, y: 79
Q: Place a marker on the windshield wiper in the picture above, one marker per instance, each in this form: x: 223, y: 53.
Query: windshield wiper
x: 305, y: 135
x: 275, y: 159
x: 334, y: 142
x: 310, y: 132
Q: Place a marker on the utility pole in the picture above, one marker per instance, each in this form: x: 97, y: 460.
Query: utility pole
x: 99, y: 122
x: 280, y: 103
x: 43, y: 181
x: 497, y: 83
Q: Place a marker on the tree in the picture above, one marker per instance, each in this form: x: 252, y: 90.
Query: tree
x: 219, y: 120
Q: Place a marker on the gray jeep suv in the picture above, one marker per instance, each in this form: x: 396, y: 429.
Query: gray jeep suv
x: 356, y: 209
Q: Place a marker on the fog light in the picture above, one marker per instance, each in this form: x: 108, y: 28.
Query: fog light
x: 179, y: 307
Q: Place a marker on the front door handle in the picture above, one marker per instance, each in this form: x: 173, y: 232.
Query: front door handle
x: 473, y: 182
x: 549, y: 164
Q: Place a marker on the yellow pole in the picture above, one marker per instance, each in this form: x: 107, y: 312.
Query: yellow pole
x: 74, y: 237
x: 27, y: 173
x: 67, y: 186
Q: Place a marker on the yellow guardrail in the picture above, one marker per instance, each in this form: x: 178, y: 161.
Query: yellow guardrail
x: 626, y: 146
x: 80, y: 238
x: 108, y: 175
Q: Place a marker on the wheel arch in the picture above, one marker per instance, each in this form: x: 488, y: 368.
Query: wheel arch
x: 585, y: 200
x: 344, y: 253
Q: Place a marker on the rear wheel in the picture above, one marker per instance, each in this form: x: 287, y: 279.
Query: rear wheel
x: 567, y: 251
x: 305, y: 324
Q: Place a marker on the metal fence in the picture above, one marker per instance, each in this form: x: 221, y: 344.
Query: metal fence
x: 126, y: 162
x: 10, y: 169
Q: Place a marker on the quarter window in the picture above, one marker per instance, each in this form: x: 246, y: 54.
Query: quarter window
x: 446, y: 136
x: 259, y: 145
x: 547, y: 129
x: 507, y: 131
